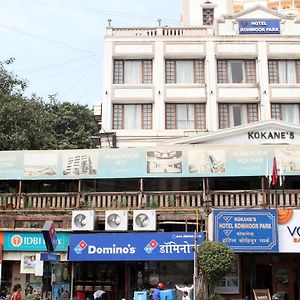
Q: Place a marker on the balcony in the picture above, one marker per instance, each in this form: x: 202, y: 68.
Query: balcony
x: 166, y: 200
x: 159, y: 31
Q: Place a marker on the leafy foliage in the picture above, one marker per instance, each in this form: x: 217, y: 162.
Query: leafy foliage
x: 215, y: 260
x: 10, y: 83
x: 31, y: 123
x: 71, y: 125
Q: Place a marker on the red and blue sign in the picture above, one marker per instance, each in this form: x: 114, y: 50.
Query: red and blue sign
x: 252, y: 230
x: 259, y: 26
x: 133, y: 246
x: 50, y: 235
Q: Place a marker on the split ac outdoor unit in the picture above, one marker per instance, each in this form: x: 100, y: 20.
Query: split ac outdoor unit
x: 144, y: 220
x: 116, y: 220
x: 83, y: 220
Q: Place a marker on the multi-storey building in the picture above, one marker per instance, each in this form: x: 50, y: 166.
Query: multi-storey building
x: 194, y: 116
x: 219, y: 70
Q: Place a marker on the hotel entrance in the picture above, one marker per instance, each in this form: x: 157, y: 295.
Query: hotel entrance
x: 277, y: 272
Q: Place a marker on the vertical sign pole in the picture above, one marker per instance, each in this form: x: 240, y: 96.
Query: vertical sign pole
x: 195, y: 266
x: 72, y: 280
x: 0, y: 264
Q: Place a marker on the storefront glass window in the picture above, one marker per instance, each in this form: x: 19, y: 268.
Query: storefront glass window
x: 230, y: 283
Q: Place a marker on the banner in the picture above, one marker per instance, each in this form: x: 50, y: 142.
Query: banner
x: 289, y: 230
x: 133, y: 246
x: 175, y: 161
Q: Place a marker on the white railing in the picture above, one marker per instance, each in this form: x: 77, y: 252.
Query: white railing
x: 159, y: 31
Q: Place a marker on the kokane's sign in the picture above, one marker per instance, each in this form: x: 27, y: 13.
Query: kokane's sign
x: 271, y: 135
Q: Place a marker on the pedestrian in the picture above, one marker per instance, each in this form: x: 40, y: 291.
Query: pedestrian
x: 185, y: 296
x: 156, y: 293
x: 16, y: 292
x: 3, y: 292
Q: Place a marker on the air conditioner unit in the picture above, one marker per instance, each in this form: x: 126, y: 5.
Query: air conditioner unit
x: 144, y: 220
x: 116, y: 220
x: 83, y: 220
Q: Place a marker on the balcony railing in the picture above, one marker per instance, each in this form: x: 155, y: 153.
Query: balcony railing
x: 159, y: 31
x: 161, y: 200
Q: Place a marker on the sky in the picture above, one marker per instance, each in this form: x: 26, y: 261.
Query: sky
x: 58, y: 44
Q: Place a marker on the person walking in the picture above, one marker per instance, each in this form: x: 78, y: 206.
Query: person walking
x: 16, y: 292
x: 156, y: 293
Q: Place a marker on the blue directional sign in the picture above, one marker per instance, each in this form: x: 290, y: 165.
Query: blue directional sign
x: 133, y: 246
x: 252, y: 230
x: 47, y: 256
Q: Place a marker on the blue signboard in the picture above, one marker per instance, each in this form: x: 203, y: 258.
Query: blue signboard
x: 133, y: 246
x: 252, y: 230
x: 32, y: 241
x: 52, y: 257
x: 259, y: 26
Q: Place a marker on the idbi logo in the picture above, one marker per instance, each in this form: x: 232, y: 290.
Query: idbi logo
x: 80, y: 247
x: 16, y: 240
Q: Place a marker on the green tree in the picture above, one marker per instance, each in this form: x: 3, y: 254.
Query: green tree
x: 9, y: 82
x: 31, y: 123
x: 72, y: 125
x: 23, y: 123
x: 215, y: 261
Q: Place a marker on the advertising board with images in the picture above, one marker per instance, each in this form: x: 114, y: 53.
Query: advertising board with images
x: 167, y: 161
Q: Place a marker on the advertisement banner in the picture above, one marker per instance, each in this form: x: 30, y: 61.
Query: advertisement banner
x: 175, y: 161
x: 289, y: 230
x: 133, y: 246
x: 32, y: 241
x: 253, y: 230
x: 28, y: 263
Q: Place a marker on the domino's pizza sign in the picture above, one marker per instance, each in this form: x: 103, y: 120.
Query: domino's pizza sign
x: 133, y: 246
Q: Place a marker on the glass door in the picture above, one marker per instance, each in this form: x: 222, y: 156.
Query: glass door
x: 282, y: 283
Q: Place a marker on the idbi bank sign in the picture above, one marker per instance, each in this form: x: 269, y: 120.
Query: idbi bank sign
x: 33, y: 241
x: 259, y: 26
x: 289, y: 230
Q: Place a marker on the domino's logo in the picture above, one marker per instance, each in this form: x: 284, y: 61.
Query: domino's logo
x: 151, y: 246
x: 80, y: 247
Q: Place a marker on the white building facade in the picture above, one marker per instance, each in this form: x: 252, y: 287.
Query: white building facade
x: 220, y: 69
x: 228, y: 77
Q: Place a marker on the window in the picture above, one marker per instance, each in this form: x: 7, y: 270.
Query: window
x: 285, y: 112
x: 284, y: 71
x: 185, y: 116
x: 231, y: 115
x: 132, y: 71
x: 132, y: 116
x: 229, y: 284
x: 208, y: 16
x: 185, y: 71
x: 236, y: 71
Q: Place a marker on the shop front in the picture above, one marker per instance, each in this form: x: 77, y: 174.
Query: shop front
x: 22, y: 265
x: 122, y: 263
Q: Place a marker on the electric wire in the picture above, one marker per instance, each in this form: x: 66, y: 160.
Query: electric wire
x: 100, y: 11
x: 46, y: 39
x: 42, y: 68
